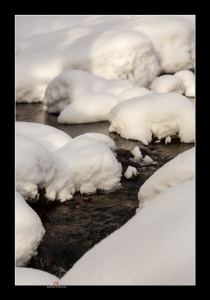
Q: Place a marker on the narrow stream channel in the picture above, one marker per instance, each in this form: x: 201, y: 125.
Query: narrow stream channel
x: 75, y: 226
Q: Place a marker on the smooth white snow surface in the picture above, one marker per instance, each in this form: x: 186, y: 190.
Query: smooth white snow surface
x: 28, y: 231
x: 155, y: 247
x: 168, y: 84
x: 130, y: 172
x: 178, y: 170
x: 159, y: 115
x: 80, y: 97
x: 84, y: 164
x: 48, y: 136
x: 29, y: 276
x: 133, y: 47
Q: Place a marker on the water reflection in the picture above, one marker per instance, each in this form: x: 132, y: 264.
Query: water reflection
x: 27, y: 112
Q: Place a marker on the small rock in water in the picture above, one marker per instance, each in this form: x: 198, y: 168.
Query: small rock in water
x: 168, y: 140
x: 147, y: 160
x: 136, y: 152
x: 130, y: 172
x: 143, y: 161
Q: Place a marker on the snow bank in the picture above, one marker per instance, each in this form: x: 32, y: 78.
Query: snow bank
x: 28, y: 231
x: 159, y: 115
x: 98, y: 55
x: 29, y: 26
x: 159, y: 247
x: 29, y: 276
x: 137, y: 48
x: 178, y: 170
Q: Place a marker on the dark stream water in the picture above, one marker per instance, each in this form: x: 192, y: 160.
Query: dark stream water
x: 75, y: 226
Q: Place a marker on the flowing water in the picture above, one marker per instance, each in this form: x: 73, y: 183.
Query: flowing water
x: 75, y: 226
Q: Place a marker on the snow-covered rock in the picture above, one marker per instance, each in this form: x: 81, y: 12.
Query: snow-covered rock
x: 159, y: 115
x: 167, y: 84
x: 28, y: 231
x: 130, y: 172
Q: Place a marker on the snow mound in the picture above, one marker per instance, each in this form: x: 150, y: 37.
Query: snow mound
x: 80, y: 97
x: 93, y: 163
x: 168, y: 84
x: 28, y: 231
x: 178, y: 170
x: 159, y: 115
x: 136, y: 48
x: 38, y: 168
x: 84, y: 164
x: 113, y: 54
x: 186, y: 76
